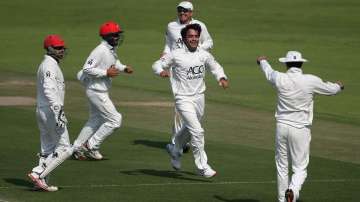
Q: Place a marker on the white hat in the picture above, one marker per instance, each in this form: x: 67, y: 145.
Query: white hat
x: 292, y: 56
x: 186, y: 4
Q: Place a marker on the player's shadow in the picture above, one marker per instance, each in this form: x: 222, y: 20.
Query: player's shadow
x: 151, y: 143
x: 183, y: 175
x: 220, y: 198
x: 19, y: 182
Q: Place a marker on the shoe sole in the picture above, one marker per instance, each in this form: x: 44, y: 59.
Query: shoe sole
x: 36, y: 182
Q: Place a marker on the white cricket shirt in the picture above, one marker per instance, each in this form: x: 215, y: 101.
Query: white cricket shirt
x: 50, y: 83
x: 93, y: 75
x: 173, y: 39
x: 188, y: 70
x: 295, y: 94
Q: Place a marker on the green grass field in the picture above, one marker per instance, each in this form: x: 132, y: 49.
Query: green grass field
x: 239, y: 123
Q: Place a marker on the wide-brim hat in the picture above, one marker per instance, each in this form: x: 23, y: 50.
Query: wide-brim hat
x: 293, y: 56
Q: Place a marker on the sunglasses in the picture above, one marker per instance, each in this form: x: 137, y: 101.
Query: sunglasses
x: 59, y: 47
x: 115, y: 35
x: 182, y: 10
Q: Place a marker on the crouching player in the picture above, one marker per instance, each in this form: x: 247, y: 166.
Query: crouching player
x: 54, y: 137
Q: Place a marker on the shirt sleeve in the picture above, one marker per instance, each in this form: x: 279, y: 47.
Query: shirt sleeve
x: 120, y: 66
x: 270, y: 74
x: 167, y: 42
x: 163, y: 63
x: 325, y: 88
x: 50, y: 86
x: 215, y: 68
x: 206, y: 40
x: 91, y: 64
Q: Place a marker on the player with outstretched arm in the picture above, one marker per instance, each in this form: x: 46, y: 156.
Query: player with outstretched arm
x: 294, y: 115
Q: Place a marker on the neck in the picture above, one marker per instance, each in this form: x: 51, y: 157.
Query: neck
x: 55, y: 58
x: 191, y: 49
x: 185, y: 22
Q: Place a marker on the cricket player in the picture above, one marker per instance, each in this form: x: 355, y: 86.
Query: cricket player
x: 54, y: 137
x: 294, y: 115
x: 174, y: 41
x: 100, y: 67
x: 187, y: 66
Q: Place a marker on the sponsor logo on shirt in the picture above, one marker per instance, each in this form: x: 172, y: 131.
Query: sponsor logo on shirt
x: 195, y: 72
x: 179, y: 43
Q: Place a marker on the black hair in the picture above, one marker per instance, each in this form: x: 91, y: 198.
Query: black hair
x: 294, y: 64
x: 195, y: 27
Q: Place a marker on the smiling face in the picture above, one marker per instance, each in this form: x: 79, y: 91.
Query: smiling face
x: 184, y: 15
x: 192, y: 39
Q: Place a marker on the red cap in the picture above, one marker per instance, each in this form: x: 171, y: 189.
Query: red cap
x: 108, y: 28
x: 54, y: 41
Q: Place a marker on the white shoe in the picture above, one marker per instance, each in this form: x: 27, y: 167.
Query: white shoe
x: 40, y: 183
x: 174, y: 157
x: 208, y: 172
x: 79, y: 155
x: 95, y: 154
x: 91, y: 153
x: 50, y: 188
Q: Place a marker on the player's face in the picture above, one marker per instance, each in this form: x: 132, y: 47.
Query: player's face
x: 184, y: 15
x: 192, y: 39
x: 58, y: 52
x: 114, y: 39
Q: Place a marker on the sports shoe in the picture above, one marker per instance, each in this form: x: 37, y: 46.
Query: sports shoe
x: 79, y: 155
x: 91, y: 153
x: 50, y: 188
x: 186, y: 148
x: 95, y: 154
x: 289, y: 195
x: 208, y: 172
x: 174, y: 157
x: 40, y: 183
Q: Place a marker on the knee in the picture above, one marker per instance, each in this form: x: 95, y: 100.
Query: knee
x: 115, y: 121
x: 196, y: 133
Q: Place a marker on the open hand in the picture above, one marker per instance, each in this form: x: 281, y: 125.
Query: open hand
x: 260, y: 58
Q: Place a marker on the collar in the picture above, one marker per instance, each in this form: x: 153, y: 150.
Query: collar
x: 294, y: 70
x: 107, y: 45
x: 188, y: 51
x: 190, y: 22
x: 51, y: 58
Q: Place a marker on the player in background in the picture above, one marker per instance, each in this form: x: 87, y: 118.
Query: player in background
x: 294, y: 115
x: 188, y: 66
x: 173, y: 41
x: 100, y: 67
x: 54, y: 137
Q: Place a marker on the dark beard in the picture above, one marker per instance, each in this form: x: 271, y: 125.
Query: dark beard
x: 191, y: 49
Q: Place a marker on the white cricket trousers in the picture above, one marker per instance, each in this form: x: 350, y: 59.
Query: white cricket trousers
x: 178, y: 124
x: 292, y: 148
x: 191, y: 109
x: 55, y: 143
x: 50, y: 136
x: 103, y: 120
